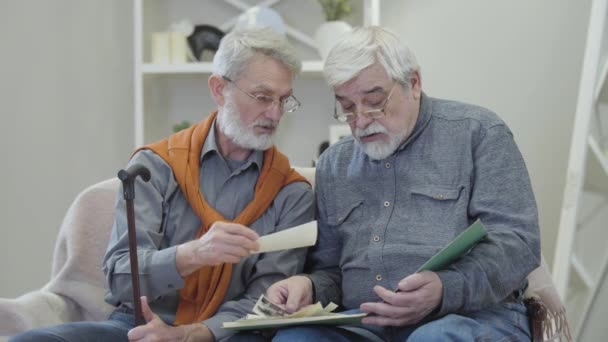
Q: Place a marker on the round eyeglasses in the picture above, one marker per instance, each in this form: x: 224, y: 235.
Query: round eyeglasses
x: 288, y: 104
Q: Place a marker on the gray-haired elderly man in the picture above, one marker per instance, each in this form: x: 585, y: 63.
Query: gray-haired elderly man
x: 215, y: 188
x: 417, y: 172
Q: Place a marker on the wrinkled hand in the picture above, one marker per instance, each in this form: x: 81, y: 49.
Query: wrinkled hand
x: 157, y: 330
x: 223, y: 243
x: 419, y: 295
x: 293, y: 293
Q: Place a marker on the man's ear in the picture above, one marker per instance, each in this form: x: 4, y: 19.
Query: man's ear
x: 416, y: 84
x: 216, y: 87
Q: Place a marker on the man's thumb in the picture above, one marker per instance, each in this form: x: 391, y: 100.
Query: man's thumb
x: 145, y: 309
x: 293, y: 301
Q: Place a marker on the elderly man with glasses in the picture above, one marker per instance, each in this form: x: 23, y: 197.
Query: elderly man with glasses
x: 215, y: 188
x: 416, y: 173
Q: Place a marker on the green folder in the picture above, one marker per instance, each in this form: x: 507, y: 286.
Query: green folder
x: 455, y: 249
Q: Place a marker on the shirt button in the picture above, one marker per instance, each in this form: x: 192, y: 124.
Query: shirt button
x: 387, y: 165
x: 378, y: 277
x: 439, y: 197
x: 387, y: 203
x: 376, y: 238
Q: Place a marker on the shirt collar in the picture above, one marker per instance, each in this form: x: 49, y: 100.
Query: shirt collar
x: 210, y: 146
x: 424, y: 117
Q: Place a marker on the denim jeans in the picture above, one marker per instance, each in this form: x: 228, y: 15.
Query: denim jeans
x: 503, y: 322
x: 114, y: 329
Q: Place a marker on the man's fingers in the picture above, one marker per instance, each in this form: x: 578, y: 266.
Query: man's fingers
x: 235, y: 238
x: 294, y: 301
x: 386, y: 295
x: 384, y: 321
x: 276, y: 294
x: 394, y: 298
x: 384, y: 309
x: 414, y: 281
x: 386, y: 314
x: 236, y: 229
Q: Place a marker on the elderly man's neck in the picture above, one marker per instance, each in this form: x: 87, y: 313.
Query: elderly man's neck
x: 228, y: 149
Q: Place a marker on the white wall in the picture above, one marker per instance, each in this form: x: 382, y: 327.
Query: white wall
x: 66, y: 100
x: 65, y: 120
x: 519, y: 58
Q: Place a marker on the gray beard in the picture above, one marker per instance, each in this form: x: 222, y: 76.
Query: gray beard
x: 378, y: 150
x: 241, y: 135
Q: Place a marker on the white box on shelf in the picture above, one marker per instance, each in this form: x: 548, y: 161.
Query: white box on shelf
x: 160, y: 48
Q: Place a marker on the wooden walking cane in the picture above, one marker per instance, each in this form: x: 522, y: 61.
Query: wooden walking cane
x: 128, y: 188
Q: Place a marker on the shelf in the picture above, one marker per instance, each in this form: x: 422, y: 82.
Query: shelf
x: 207, y: 67
x: 601, y: 81
x: 597, y: 168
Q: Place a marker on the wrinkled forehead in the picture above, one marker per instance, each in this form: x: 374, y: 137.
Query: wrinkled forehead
x: 371, y: 80
x: 267, y: 74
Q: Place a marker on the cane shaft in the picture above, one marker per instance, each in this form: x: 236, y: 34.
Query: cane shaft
x: 139, y: 317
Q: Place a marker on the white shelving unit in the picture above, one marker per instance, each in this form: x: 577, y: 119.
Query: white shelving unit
x: 157, y: 85
x: 581, y: 255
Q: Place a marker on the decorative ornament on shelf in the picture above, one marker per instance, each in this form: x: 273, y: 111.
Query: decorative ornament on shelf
x: 204, y: 37
x: 328, y: 34
x: 259, y: 16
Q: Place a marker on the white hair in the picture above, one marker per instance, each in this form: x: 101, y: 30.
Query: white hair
x: 364, y: 46
x: 238, y: 47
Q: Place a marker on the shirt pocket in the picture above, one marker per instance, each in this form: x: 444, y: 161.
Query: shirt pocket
x: 436, y: 214
x: 345, y: 220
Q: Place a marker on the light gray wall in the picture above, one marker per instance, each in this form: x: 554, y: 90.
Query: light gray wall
x: 519, y: 58
x: 65, y: 120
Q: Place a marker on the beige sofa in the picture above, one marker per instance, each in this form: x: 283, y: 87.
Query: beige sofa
x: 76, y: 289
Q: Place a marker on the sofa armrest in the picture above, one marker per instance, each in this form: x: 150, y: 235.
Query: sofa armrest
x: 32, y: 310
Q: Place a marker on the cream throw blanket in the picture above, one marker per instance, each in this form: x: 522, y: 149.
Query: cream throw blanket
x: 77, y: 286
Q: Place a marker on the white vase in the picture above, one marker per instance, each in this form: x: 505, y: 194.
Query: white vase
x: 328, y: 34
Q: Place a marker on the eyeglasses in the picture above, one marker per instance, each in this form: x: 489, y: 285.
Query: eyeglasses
x: 370, y: 114
x: 287, y: 105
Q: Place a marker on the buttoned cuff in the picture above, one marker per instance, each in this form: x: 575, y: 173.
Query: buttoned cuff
x: 314, y: 292
x: 163, y: 271
x: 323, y: 289
x: 453, y: 292
x: 215, y: 322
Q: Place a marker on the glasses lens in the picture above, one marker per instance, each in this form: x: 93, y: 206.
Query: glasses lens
x: 290, y: 104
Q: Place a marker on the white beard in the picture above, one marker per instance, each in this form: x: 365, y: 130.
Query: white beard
x: 378, y: 150
x: 232, y: 126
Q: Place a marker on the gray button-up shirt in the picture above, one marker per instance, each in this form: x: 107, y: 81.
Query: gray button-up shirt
x: 164, y: 219
x: 381, y: 220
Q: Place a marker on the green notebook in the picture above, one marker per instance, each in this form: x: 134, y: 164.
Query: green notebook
x: 455, y: 249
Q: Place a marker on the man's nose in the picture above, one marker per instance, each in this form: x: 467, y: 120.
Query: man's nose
x: 275, y: 112
x: 362, y: 121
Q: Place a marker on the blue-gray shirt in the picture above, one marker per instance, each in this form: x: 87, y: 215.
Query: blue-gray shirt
x: 381, y: 220
x: 164, y: 219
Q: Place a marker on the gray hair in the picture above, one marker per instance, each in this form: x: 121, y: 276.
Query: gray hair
x: 364, y: 46
x: 238, y: 47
